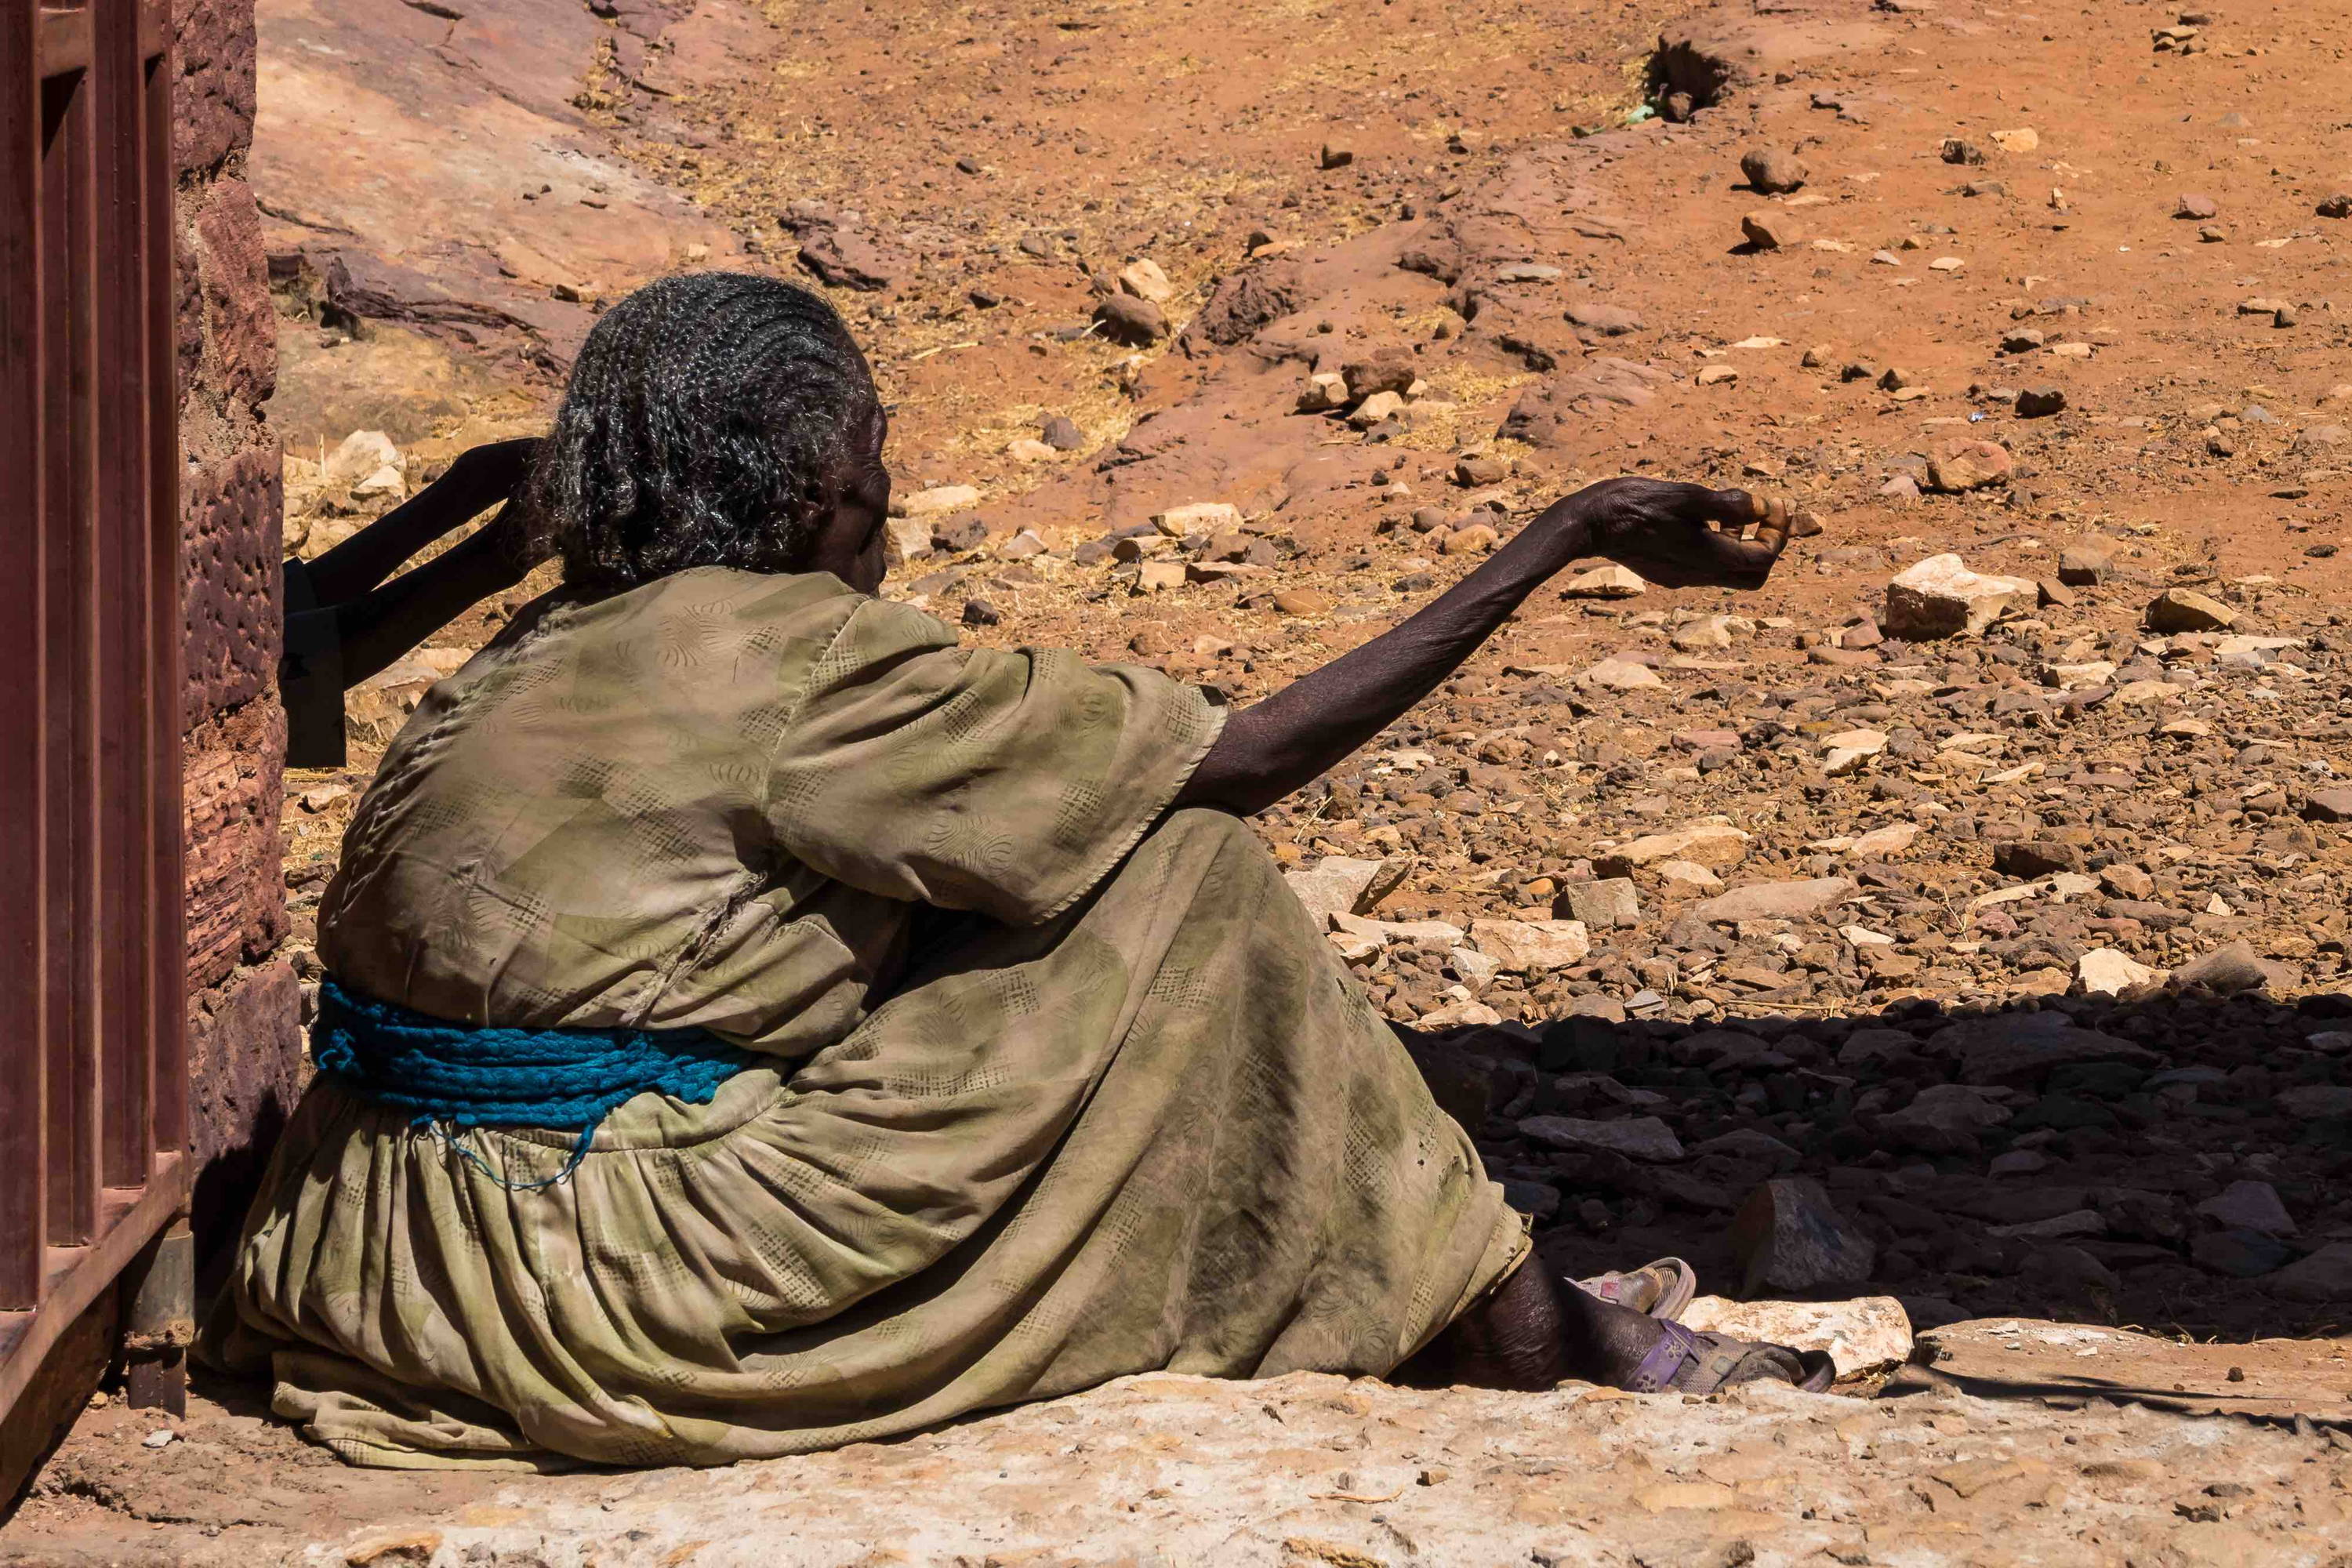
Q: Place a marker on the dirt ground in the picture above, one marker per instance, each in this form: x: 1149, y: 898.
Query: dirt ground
x: 2035, y: 953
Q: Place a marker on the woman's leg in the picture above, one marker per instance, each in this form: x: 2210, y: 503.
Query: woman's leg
x: 1532, y: 1332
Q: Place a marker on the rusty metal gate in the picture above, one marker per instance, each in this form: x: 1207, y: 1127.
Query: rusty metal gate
x: 93, y: 1069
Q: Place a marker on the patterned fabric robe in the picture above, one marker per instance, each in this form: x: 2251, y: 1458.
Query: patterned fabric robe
x: 1063, y: 1086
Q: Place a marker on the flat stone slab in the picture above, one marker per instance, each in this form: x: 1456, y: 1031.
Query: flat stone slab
x: 2066, y: 1364
x: 1309, y: 1470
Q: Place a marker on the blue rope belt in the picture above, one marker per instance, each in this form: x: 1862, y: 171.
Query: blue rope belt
x: 465, y: 1074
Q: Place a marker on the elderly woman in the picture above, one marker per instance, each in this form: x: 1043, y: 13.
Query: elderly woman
x: 756, y: 1022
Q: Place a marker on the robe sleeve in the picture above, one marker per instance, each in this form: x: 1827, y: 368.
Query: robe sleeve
x: 1005, y: 783
x: 310, y: 674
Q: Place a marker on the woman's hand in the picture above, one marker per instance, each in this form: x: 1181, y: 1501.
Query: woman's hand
x: 1678, y: 535
x: 491, y: 473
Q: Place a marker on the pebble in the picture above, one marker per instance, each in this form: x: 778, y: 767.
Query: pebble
x: 1145, y: 280
x: 1608, y: 903
x: 1770, y: 230
x: 1531, y: 947
x: 2185, y: 610
x: 1941, y: 598
x: 1773, y: 172
x: 1775, y: 901
x: 1961, y: 465
x: 1136, y: 322
x: 1303, y: 602
x: 1716, y: 846
x: 1611, y: 582
x: 1605, y: 320
x: 936, y: 502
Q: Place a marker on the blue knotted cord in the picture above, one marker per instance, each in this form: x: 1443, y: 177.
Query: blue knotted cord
x: 456, y: 1076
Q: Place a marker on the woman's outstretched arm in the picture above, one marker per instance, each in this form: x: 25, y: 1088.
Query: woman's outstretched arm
x: 1669, y: 533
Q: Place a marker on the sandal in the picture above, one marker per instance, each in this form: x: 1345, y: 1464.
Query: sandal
x: 1685, y: 1360
x: 1661, y: 1288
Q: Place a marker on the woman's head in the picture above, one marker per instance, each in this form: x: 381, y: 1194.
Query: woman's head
x: 714, y: 419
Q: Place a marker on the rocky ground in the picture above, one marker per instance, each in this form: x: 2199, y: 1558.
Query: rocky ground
x: 1960, y: 918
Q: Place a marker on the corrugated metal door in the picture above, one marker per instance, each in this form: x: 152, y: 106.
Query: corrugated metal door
x: 93, y: 1069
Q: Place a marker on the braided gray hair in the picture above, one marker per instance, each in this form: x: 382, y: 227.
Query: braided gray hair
x: 706, y: 419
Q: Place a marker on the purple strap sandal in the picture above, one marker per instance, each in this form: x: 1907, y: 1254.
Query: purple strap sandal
x: 1661, y: 1288
x: 1685, y: 1360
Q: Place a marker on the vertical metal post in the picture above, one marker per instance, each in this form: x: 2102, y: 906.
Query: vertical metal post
x: 167, y: 928
x: 159, y: 1308
x: 125, y: 1005
x: 24, y: 756
x: 70, y: 572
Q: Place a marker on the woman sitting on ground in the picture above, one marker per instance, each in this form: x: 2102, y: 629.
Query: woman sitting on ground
x: 756, y: 1022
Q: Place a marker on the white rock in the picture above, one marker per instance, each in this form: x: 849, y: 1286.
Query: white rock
x: 1145, y: 280
x: 1862, y: 936
x: 1608, y: 903
x: 1706, y: 634
x: 1324, y: 391
x: 1939, y: 597
x: 2110, y: 972
x: 1712, y: 845
x: 1158, y: 576
x: 1881, y: 843
x: 1532, y: 947
x: 1605, y: 583
x: 937, y: 500
x: 1775, y: 901
x: 385, y: 483
x: 1342, y: 884
x: 1438, y: 931
x: 1198, y: 516
x: 2070, y: 677
x: 362, y: 453
x: 1460, y: 1016
x: 911, y: 538
x: 1688, y: 876
x: 1619, y: 675
x: 1849, y: 750
x: 1379, y: 405
x: 1868, y: 1334
x: 1477, y: 968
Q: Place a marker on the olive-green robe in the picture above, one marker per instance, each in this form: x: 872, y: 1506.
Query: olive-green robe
x: 1064, y: 1086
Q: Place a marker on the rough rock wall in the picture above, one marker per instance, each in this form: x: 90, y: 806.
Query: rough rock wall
x: 244, y: 1046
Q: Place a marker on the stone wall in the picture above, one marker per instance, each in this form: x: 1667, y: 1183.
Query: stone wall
x: 244, y: 1044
